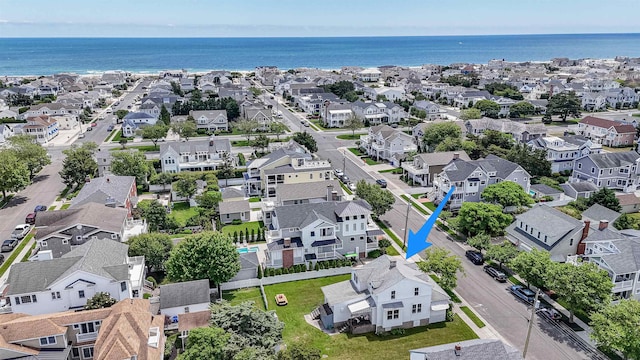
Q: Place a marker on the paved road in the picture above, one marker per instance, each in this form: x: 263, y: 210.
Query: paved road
x: 489, y: 298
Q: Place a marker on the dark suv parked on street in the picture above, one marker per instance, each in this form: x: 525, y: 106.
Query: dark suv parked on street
x: 475, y: 257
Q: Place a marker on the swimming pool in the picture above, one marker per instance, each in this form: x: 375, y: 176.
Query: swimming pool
x: 245, y: 250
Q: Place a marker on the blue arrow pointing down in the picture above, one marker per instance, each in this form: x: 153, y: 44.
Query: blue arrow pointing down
x: 418, y: 241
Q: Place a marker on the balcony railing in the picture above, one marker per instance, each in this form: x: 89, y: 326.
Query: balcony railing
x: 622, y: 285
x: 80, y: 338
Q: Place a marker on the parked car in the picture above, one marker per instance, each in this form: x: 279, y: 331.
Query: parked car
x: 495, y: 273
x: 8, y: 245
x: 20, y: 231
x: 30, y: 219
x: 352, y: 186
x: 81, y: 136
x: 524, y: 294
x: 338, y: 172
x: 110, y: 128
x: 89, y: 128
x: 281, y: 300
x: 550, y: 313
x: 475, y: 257
x: 345, y: 179
x: 1, y: 262
x: 306, y: 124
x: 382, y: 183
x: 94, y: 124
x: 40, y: 208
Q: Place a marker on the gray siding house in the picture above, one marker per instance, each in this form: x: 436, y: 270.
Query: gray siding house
x: 618, y: 171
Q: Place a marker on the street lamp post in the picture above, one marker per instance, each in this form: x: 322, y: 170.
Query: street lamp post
x: 406, y: 226
x: 533, y: 311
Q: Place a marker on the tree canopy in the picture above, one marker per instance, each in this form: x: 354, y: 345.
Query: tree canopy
x: 185, y: 129
x: 14, y: 174
x: 206, y: 343
x: 443, y: 264
x: 305, y: 139
x: 488, y: 108
x: 131, y: 163
x: 438, y: 132
x: 521, y: 109
x: 585, y: 287
x: 381, y: 200
x: 532, y: 266
x: 615, y: 328
x: 470, y: 114
x: 155, y: 247
x: 505, y: 90
x: 605, y: 197
x: 475, y: 218
x: 154, y: 132
x: 506, y: 193
x: 186, y: 186
x: 534, y: 161
x: 502, y: 253
x: 156, y: 215
x: 29, y: 152
x: 256, y: 327
x: 99, y: 301
x: 165, y: 116
x: 353, y: 124
x: 564, y: 104
x: 78, y: 164
x: 480, y: 241
x: 247, y: 127
x: 207, y: 255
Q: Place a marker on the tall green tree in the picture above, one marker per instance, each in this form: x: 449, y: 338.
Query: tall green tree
x: 443, y: 264
x: 206, y: 343
x: 209, y: 200
x: 437, y: 133
x: 186, y: 186
x: 163, y: 178
x: 521, y: 109
x: 502, y: 253
x: 131, y: 163
x: 305, y: 139
x: 605, y: 197
x: 533, y: 160
x: 475, y: 218
x: 449, y: 144
x: 121, y: 113
x: 381, y: 200
x: 30, y: 153
x: 260, y: 142
x: 78, y: 164
x: 506, y: 193
x: 226, y: 170
x: 480, y: 241
x: 584, y: 287
x: 185, y: 129
x: 165, y: 117
x: 207, y: 255
x: 14, y: 174
x: 470, y: 114
x: 154, y: 133
x: 247, y: 127
x: 277, y: 128
x: 615, y: 328
x: 488, y: 108
x: 260, y: 329
x: 156, y: 216
x: 533, y: 266
x: 353, y: 124
x: 155, y: 247
x: 564, y: 104
x: 100, y: 300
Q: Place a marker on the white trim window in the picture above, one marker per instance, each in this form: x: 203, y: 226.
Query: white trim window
x: 49, y: 340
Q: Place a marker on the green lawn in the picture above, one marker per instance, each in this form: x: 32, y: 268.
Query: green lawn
x: 416, y: 205
x: 111, y: 134
x: 390, y: 234
x: 28, y: 254
x: 181, y: 212
x: 356, y: 151
x: 636, y: 115
x: 392, y: 171
x: 255, y: 225
x: 416, y: 196
x: 476, y: 320
x: 370, y: 161
x: 142, y: 148
x: 240, y: 143
x: 241, y: 295
x: 304, y: 296
x: 254, y: 199
x: 391, y: 251
x: 65, y: 206
x: 350, y: 137
x: 345, y: 188
x: 117, y: 136
x: 52, y: 207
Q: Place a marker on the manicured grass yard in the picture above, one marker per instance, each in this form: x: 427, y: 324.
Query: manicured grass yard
x: 142, y: 148
x: 370, y: 161
x: 241, y: 295
x: 304, y: 296
x: 350, y: 137
x: 117, y: 136
x: 391, y: 251
x: 255, y: 225
x: 65, y: 206
x: 356, y: 151
x: 476, y: 320
x: 181, y: 212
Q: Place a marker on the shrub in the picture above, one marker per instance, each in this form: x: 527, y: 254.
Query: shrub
x: 259, y: 272
x: 397, y: 332
x: 316, y: 267
x: 285, y: 270
x: 278, y: 271
x: 152, y: 280
x: 146, y: 296
x: 374, y: 254
x: 384, y: 243
x: 235, y: 236
x: 186, y: 231
x: 236, y: 222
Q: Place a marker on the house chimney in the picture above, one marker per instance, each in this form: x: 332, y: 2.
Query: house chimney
x: 392, y: 264
x: 457, y: 350
x: 603, y: 224
x: 585, y: 232
x: 329, y: 192
x: 287, y: 242
x: 456, y: 155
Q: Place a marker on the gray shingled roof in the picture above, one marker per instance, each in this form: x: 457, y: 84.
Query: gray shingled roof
x: 231, y: 193
x: 295, y: 216
x: 105, y: 258
x: 545, y: 189
x: 292, y: 150
x: 212, y: 145
x: 613, y: 160
x: 232, y: 207
x: 628, y: 258
x: 478, y: 349
x: 101, y: 188
x: 443, y: 158
x: 598, y: 212
x: 340, y: 292
x: 311, y: 190
x: 94, y: 214
x: 555, y: 223
x: 184, y: 294
x: 459, y: 170
x: 582, y: 186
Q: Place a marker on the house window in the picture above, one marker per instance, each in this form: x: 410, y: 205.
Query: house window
x: 361, y: 216
x: 396, y: 314
x: 362, y: 226
x: 55, y: 295
x: 346, y: 218
x: 65, y: 242
x: 393, y: 294
x: 416, y: 291
x: 593, y: 170
x: 417, y: 308
x: 579, y: 165
x: 114, y: 236
x: 123, y: 286
x: 44, y: 244
x: 87, y: 352
x: 186, y: 310
x: 81, y: 294
x: 86, y: 328
x: 346, y: 227
x: 313, y: 233
x: 49, y: 340
x: 75, y: 352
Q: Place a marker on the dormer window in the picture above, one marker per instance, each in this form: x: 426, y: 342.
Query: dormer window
x: 393, y: 294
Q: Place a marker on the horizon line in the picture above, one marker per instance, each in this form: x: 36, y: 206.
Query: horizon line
x: 313, y: 36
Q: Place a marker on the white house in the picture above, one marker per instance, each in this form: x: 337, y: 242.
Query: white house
x: 135, y: 120
x: 184, y: 297
x: 563, y: 151
x: 211, y: 120
x: 369, y: 75
x: 195, y: 155
x: 387, y: 143
x: 66, y: 283
x: 43, y: 128
x: 385, y: 294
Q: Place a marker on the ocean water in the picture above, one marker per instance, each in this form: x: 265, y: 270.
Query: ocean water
x: 44, y: 56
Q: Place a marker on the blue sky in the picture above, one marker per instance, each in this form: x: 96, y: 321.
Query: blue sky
x: 257, y: 18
